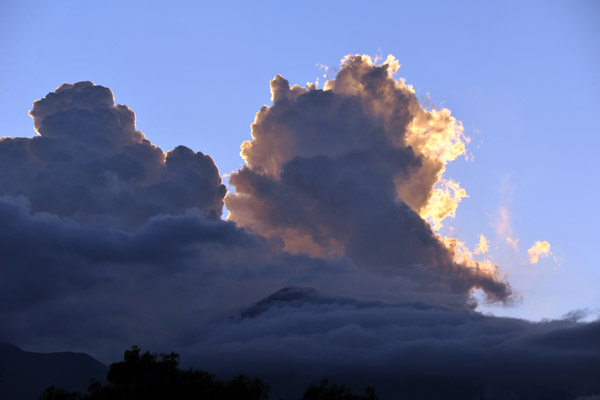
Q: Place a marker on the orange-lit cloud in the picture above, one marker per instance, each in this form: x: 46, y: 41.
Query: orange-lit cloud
x: 440, y: 138
x: 443, y: 203
x: 434, y: 134
x: 538, y: 250
x: 463, y: 255
x: 357, y: 170
x: 482, y: 246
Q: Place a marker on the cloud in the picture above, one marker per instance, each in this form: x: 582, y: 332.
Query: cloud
x: 100, y: 289
x: 352, y: 170
x: 410, y: 349
x: 538, y: 250
x: 326, y: 267
x: 463, y: 255
x: 89, y: 163
x: 482, y: 246
x: 443, y: 203
x: 413, y: 349
x: 502, y: 219
x: 503, y: 225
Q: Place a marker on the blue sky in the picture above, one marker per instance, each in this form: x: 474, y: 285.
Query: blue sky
x: 523, y: 78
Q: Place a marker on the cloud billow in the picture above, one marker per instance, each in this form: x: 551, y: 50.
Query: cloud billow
x: 345, y: 171
x: 328, y: 266
x: 90, y: 164
x: 407, y: 349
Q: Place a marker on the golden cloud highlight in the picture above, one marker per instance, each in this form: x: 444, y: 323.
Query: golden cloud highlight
x: 433, y: 134
x: 443, y: 203
x: 483, y: 245
x: 463, y: 255
x: 538, y: 250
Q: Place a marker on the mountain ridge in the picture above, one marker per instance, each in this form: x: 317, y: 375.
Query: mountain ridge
x: 25, y: 375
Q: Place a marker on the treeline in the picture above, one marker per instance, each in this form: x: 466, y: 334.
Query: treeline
x: 151, y: 376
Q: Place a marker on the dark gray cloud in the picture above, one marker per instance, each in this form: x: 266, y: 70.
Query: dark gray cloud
x: 99, y: 289
x: 57, y: 273
x: 406, y: 349
x: 76, y: 286
x: 107, y: 241
x: 91, y: 164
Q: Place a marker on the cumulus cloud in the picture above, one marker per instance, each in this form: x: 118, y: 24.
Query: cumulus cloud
x: 90, y: 164
x: 327, y: 267
x: 538, y: 250
x: 352, y: 170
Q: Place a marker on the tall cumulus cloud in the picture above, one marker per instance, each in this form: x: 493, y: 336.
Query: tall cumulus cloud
x: 352, y: 170
x: 328, y: 267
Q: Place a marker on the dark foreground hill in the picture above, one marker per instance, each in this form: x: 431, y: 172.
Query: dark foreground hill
x: 25, y: 375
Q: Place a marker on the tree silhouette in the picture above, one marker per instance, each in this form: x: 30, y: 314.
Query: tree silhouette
x: 325, y: 391
x: 150, y: 376
x: 54, y: 393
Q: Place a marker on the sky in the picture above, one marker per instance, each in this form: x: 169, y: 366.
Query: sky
x: 521, y: 83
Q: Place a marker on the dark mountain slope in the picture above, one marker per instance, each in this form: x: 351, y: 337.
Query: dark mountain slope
x: 25, y: 375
